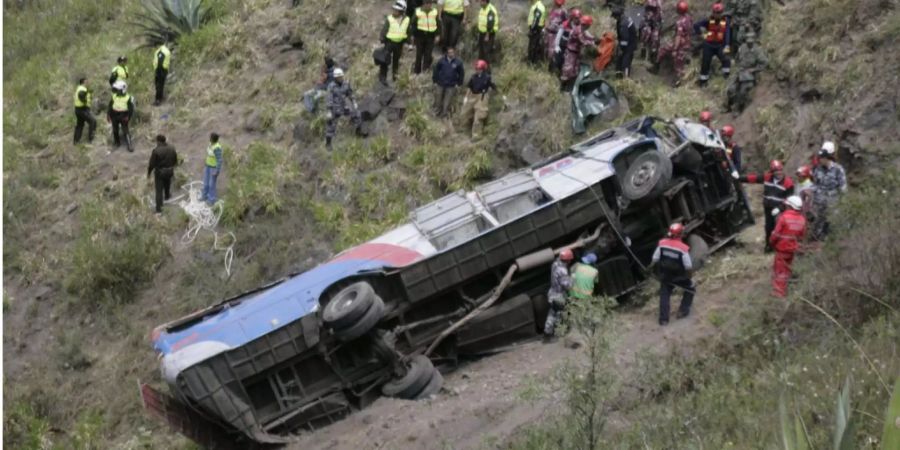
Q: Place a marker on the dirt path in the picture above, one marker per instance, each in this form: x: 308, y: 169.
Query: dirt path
x: 485, y: 402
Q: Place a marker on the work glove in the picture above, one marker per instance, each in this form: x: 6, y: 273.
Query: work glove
x: 727, y: 49
x: 775, y: 212
x: 465, y: 100
x: 355, y: 106
x: 735, y: 175
x: 329, y: 115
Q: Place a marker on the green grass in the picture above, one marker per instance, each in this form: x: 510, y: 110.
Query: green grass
x: 258, y: 174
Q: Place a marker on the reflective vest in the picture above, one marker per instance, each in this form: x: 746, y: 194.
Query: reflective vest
x: 583, y: 279
x: 121, y: 72
x: 674, y: 258
x: 397, y: 28
x: 454, y: 7
x: 537, y: 7
x: 426, y: 21
x: 78, y: 102
x: 120, y: 102
x: 167, y: 56
x: 211, y: 160
x: 488, y: 19
x: 715, y: 31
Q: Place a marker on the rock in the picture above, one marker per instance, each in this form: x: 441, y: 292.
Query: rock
x: 573, y: 341
x: 372, y: 105
x: 43, y: 292
x: 396, y: 109
x: 71, y: 208
x: 253, y: 122
x: 302, y: 132
x: 515, y: 140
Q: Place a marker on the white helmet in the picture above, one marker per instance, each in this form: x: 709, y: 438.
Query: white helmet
x: 794, y: 202
x: 828, y: 147
x: 400, y: 5
x: 120, y: 85
x: 338, y: 73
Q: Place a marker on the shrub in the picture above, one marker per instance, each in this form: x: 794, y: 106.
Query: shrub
x: 257, y: 178
x: 167, y: 20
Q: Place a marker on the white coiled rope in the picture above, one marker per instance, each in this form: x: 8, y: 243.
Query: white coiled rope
x: 204, y: 217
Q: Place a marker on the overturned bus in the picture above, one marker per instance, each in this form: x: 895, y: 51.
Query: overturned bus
x: 466, y: 275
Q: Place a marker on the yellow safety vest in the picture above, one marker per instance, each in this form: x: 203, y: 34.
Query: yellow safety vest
x: 121, y: 72
x: 397, y: 28
x: 583, y: 281
x: 426, y: 21
x: 167, y: 56
x: 120, y: 102
x: 483, y: 19
x: 78, y: 102
x: 211, y: 160
x: 540, y: 7
x: 454, y: 6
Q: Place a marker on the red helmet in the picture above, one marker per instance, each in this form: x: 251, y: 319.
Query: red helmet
x: 587, y: 21
x: 718, y: 8
x: 566, y: 254
x: 705, y: 116
x: 575, y: 13
x: 728, y: 131
x: 559, y: 2
x: 481, y: 65
x: 676, y: 230
x: 776, y: 165
x: 804, y: 172
x: 681, y: 7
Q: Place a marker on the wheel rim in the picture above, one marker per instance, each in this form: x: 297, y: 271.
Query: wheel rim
x: 644, y: 175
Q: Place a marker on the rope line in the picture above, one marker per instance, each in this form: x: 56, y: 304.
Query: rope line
x: 205, y: 217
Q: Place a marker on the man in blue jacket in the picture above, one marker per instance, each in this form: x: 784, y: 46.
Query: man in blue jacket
x: 448, y: 74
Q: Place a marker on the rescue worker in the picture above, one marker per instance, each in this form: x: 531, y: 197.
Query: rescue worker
x: 606, y: 49
x: 831, y: 181
x: 750, y: 60
x: 776, y: 188
x: 555, y: 19
x: 579, y: 38
x: 537, y: 16
x: 84, y: 99
x: 747, y: 17
x: 806, y: 190
x: 650, y: 29
x: 119, y: 113
x: 560, y: 283
x: 426, y: 26
x: 680, y: 47
x: 732, y: 150
x: 394, y: 34
x: 706, y: 119
x: 212, y: 167
x: 627, y: 34
x: 452, y: 14
x: 562, y: 38
x: 488, y: 26
x: 785, y: 239
x: 120, y: 71
x: 475, y: 103
x: 672, y: 260
x: 716, y: 42
x: 162, y: 59
x: 449, y: 74
x: 340, y: 102
x: 320, y: 90
x: 584, y: 278
x: 162, y: 164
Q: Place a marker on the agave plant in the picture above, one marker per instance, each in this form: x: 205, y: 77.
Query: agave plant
x: 166, y: 20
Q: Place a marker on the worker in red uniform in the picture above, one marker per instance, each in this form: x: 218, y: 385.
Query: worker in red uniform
x: 555, y: 19
x: 732, y: 150
x: 680, y: 47
x: 716, y: 42
x: 706, y: 119
x: 777, y: 187
x: 789, y: 232
x: 672, y: 260
x: 579, y: 38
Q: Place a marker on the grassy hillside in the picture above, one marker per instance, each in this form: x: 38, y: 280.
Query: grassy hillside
x: 89, y: 270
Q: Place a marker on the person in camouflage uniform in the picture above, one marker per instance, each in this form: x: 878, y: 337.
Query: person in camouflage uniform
x: 751, y: 59
x: 555, y: 19
x: 650, y: 30
x: 560, y: 283
x: 746, y: 16
x: 680, y: 47
x: 579, y: 39
x: 831, y: 181
x: 339, y: 103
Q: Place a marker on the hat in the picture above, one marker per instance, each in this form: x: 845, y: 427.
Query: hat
x: 338, y: 72
x: 120, y: 85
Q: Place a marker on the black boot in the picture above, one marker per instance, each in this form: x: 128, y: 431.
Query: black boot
x: 328, y: 143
